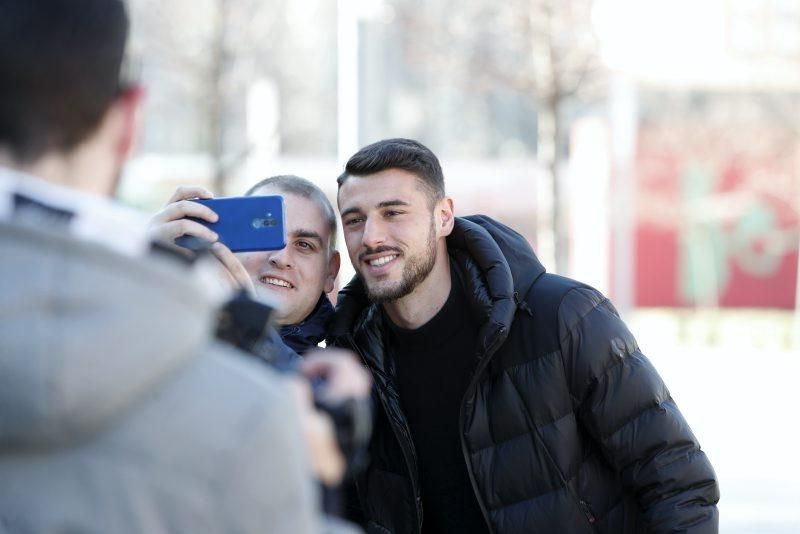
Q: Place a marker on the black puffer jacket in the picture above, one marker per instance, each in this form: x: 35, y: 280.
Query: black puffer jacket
x: 566, y: 426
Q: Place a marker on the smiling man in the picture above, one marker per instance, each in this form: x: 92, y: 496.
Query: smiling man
x: 294, y: 281
x: 300, y: 275
x: 511, y: 400
x: 295, y: 278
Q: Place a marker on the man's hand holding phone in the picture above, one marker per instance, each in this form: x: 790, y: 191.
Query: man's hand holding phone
x: 172, y: 222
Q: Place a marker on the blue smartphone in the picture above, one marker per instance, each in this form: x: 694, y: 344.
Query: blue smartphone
x: 245, y: 224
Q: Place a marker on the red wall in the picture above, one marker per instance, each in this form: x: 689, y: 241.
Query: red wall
x: 721, y: 213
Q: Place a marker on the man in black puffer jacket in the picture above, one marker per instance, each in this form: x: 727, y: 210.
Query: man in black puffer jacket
x: 511, y: 400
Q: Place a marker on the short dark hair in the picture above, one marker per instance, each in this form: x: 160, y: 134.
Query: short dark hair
x: 291, y: 184
x: 405, y: 154
x: 60, y: 63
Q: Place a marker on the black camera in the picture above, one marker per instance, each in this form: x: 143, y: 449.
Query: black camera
x: 246, y: 324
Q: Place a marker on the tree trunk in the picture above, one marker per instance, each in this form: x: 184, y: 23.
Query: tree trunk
x: 546, y: 187
x: 550, y: 223
x: 216, y: 97
x: 560, y: 226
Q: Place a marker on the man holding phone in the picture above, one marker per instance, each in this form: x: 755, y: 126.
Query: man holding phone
x: 295, y: 278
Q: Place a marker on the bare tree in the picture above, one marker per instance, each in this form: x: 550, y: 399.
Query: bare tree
x: 211, y: 50
x: 545, y: 48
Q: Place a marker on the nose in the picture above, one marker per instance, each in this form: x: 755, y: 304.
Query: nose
x: 280, y: 259
x: 374, y: 233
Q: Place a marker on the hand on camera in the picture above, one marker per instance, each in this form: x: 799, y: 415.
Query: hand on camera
x: 342, y: 376
x: 343, y: 392
x: 327, y: 460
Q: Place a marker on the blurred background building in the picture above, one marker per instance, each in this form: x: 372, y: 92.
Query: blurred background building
x: 651, y: 149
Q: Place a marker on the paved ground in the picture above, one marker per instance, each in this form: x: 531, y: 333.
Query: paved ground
x: 736, y: 378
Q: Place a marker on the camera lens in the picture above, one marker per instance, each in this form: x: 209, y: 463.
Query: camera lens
x: 264, y: 223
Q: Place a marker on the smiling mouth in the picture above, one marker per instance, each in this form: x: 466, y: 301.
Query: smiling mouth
x: 272, y: 281
x: 383, y: 260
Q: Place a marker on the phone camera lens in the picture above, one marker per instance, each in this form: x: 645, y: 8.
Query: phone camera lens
x: 264, y: 223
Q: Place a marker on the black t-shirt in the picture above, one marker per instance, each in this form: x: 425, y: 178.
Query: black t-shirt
x: 434, y: 365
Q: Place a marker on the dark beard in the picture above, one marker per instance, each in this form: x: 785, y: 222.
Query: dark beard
x: 415, y: 271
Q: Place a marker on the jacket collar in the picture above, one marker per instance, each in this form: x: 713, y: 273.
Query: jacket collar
x: 499, y: 268
x: 492, y: 244
x: 306, y: 335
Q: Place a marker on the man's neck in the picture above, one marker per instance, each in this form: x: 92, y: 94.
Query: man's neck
x: 425, y: 301
x: 72, y: 170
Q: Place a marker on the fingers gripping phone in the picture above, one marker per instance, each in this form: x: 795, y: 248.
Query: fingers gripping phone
x: 245, y: 224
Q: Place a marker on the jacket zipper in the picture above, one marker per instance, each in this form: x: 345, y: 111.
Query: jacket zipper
x: 588, y: 511
x: 472, y: 385
x: 406, y: 445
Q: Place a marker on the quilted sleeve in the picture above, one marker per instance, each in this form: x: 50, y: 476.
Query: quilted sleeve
x: 625, y: 406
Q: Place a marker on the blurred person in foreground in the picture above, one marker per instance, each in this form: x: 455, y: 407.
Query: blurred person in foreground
x: 512, y: 400
x: 297, y: 279
x: 119, y: 412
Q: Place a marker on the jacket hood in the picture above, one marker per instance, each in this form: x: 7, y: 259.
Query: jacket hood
x: 500, y: 264
x: 87, y: 333
x: 501, y: 268
x: 306, y: 335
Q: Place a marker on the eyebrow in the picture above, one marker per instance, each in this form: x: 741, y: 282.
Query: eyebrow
x: 391, y: 203
x: 349, y: 211
x: 383, y: 204
x: 308, y: 234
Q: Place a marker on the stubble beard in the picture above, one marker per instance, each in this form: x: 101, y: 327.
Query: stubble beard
x: 415, y: 271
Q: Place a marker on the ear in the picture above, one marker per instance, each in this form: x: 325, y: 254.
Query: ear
x: 120, y: 125
x: 333, y: 271
x: 108, y: 148
x: 445, y: 216
x: 129, y: 107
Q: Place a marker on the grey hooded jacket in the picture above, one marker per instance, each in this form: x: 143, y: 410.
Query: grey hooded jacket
x: 119, y: 413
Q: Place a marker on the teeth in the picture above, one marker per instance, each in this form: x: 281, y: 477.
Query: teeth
x: 383, y: 260
x: 276, y: 282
